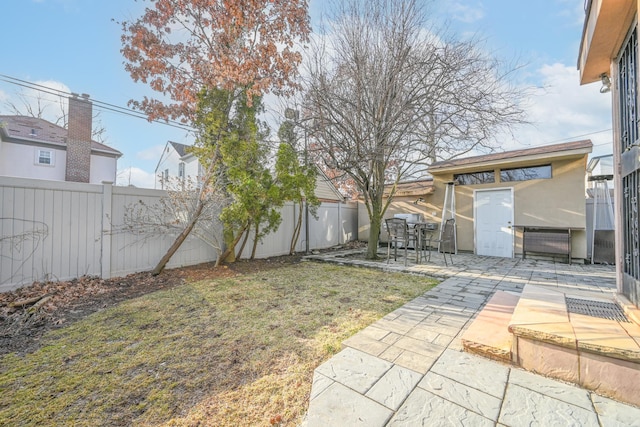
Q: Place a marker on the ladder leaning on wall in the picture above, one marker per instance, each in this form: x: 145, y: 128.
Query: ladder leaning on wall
x: 449, y: 212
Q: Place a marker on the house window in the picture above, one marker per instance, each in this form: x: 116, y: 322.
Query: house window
x: 486, y: 177
x: 525, y: 174
x: 165, y: 175
x: 181, y: 170
x: 44, y: 157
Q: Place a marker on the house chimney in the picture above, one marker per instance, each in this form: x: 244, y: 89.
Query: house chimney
x: 79, y: 138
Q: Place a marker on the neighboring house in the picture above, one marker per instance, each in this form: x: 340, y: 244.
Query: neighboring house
x: 177, y: 162
x: 35, y: 148
x: 326, y: 191
x: 498, y: 195
x: 609, y: 56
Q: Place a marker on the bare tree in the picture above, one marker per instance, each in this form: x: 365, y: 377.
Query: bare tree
x: 40, y: 107
x: 390, y: 95
x: 189, y: 208
x: 26, y: 107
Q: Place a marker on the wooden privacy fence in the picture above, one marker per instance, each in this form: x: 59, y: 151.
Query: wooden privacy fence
x: 51, y: 230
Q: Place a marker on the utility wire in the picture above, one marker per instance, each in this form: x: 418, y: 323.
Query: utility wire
x: 134, y: 113
x: 580, y: 136
x: 97, y: 103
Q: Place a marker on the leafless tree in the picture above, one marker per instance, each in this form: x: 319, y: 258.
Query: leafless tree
x: 189, y: 208
x: 39, y: 107
x: 19, y: 248
x: 391, y: 95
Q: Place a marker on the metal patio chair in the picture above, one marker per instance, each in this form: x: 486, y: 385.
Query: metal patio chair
x: 399, y: 234
x: 447, y: 241
x: 426, y: 232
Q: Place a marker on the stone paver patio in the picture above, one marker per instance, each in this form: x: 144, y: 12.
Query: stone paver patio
x: 408, y: 368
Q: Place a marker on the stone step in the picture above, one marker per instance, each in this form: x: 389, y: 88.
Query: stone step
x: 598, y: 354
x: 488, y: 335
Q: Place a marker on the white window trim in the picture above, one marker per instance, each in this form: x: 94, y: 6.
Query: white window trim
x: 52, y: 157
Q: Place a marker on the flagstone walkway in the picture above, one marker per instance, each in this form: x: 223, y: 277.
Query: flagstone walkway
x: 408, y: 368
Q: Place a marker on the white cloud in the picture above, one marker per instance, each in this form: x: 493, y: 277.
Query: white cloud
x: 573, y: 10
x: 152, y: 153
x: 46, y: 102
x: 562, y: 110
x: 136, y: 177
x: 465, y: 13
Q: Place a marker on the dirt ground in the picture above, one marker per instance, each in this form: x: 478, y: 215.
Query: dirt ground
x: 26, y: 314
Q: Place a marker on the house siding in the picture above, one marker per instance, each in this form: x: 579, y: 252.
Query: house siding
x: 19, y: 160
x: 103, y: 168
x: 400, y: 205
x: 170, y: 160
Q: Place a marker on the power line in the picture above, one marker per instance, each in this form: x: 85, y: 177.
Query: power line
x: 137, y: 114
x: 579, y: 136
x: 97, y: 103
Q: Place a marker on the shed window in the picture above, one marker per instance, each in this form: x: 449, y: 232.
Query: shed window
x: 486, y: 177
x: 525, y: 174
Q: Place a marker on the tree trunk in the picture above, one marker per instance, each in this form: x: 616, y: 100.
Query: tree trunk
x: 230, y: 253
x: 179, y: 240
x: 255, y: 240
x: 244, y: 243
x: 374, y: 235
x: 230, y: 242
x: 296, y: 231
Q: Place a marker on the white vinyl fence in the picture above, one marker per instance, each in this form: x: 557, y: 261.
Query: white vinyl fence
x: 336, y: 223
x: 52, y: 230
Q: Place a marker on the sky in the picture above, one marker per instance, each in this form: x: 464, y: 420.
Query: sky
x: 74, y: 45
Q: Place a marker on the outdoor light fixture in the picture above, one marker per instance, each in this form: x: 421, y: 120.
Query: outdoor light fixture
x: 606, y: 83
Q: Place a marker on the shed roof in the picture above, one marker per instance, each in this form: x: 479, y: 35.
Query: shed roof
x: 541, y: 153
x: 421, y: 187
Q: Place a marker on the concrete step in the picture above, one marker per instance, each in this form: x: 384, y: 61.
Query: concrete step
x: 598, y: 354
x: 489, y: 335
x: 536, y: 331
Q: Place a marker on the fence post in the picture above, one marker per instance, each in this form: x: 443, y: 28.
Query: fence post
x: 105, y: 253
x: 339, y: 227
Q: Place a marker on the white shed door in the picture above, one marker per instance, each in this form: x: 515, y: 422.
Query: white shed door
x: 493, y: 220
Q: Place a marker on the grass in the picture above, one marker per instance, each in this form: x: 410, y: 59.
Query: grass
x: 226, y: 352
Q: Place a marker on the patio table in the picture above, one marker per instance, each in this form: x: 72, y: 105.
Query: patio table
x: 424, y: 232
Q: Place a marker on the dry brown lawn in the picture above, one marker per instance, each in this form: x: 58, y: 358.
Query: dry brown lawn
x: 229, y: 351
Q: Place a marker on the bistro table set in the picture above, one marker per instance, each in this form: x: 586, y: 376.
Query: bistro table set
x: 421, y: 236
